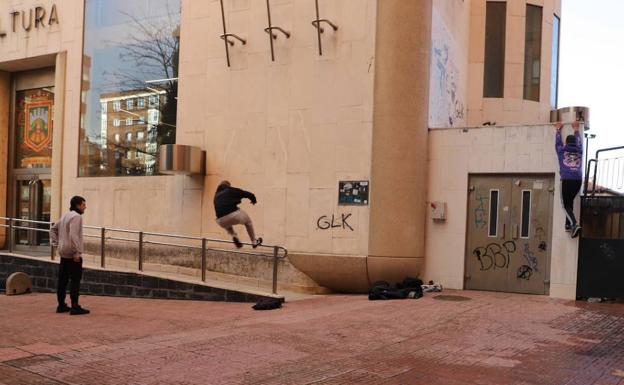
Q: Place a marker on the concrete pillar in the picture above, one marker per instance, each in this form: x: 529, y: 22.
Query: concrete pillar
x: 399, y: 156
x: 56, y: 204
x: 5, y: 106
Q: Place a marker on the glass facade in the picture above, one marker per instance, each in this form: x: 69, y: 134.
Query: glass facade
x: 129, y: 85
x: 532, y: 53
x: 554, y: 68
x: 494, y: 59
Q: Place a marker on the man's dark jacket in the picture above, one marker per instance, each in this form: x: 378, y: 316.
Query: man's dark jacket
x: 226, y: 199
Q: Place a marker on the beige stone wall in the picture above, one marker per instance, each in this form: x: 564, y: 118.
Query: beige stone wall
x: 448, y: 89
x: 453, y: 155
x: 511, y: 109
x: 287, y: 130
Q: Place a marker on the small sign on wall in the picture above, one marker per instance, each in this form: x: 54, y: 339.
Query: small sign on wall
x: 353, y: 192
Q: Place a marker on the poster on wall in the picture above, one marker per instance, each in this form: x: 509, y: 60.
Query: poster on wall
x: 34, y: 123
x: 353, y: 192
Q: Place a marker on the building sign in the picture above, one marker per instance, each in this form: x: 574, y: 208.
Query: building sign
x: 33, y: 128
x: 29, y: 19
x: 353, y: 192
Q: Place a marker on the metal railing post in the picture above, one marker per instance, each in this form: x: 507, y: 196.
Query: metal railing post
x: 203, y: 260
x: 51, y: 251
x: 140, y: 251
x: 275, y: 251
x: 10, y: 235
x: 103, y: 247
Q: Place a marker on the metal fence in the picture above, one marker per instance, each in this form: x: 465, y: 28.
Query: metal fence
x: 143, y: 238
x: 605, y: 175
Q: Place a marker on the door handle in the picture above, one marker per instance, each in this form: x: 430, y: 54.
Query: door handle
x: 504, y: 231
x: 514, y: 231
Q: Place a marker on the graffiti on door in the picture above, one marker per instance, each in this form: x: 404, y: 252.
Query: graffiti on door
x: 495, y: 256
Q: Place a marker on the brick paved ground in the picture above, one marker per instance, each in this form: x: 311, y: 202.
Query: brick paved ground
x: 493, y: 338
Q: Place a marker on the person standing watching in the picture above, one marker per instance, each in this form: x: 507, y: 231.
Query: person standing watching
x: 66, y: 234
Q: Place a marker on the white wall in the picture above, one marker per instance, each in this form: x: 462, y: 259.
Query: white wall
x: 453, y: 155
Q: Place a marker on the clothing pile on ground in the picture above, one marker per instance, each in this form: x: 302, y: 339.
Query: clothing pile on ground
x: 410, y: 288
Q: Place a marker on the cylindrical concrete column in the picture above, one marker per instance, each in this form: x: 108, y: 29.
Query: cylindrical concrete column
x: 399, y: 156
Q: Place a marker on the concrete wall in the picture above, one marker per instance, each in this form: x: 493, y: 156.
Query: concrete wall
x: 287, y: 130
x: 450, y: 41
x: 511, y: 109
x: 453, y: 155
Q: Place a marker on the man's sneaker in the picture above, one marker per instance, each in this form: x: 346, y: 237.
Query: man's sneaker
x: 576, y: 231
x: 257, y: 243
x: 78, y: 311
x: 568, y: 228
x: 237, y: 242
x: 62, y: 308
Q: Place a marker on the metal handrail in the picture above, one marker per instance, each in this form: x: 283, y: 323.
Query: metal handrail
x: 278, y: 252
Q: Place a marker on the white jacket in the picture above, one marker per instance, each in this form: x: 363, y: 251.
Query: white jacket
x: 66, y: 234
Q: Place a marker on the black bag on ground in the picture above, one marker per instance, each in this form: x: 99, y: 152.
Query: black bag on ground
x: 382, y: 290
x: 267, y: 304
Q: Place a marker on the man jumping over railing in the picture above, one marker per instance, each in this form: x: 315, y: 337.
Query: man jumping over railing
x: 226, y: 201
x: 570, y: 168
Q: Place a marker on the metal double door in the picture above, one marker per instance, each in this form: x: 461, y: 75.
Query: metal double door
x: 508, y: 233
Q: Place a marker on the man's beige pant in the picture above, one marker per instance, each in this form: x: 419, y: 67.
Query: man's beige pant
x: 238, y: 217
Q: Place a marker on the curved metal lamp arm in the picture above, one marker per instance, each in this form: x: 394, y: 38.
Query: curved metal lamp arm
x: 269, y: 30
x: 317, y: 24
x: 228, y: 35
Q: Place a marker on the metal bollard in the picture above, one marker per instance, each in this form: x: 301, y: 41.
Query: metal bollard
x: 275, y: 251
x: 140, y: 251
x: 103, y: 247
x: 203, y: 260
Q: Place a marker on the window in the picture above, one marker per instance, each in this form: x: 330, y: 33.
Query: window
x: 152, y: 117
x: 494, y: 59
x: 129, y: 136
x: 140, y: 135
x: 141, y: 119
x: 532, y: 52
x: 117, y: 138
x: 526, y: 213
x: 125, y: 70
x: 554, y: 66
x: 493, y: 227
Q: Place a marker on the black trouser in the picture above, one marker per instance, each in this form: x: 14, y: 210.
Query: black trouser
x: 569, y: 189
x: 69, y: 269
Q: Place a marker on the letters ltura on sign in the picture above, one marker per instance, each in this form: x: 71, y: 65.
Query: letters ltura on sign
x: 38, y: 17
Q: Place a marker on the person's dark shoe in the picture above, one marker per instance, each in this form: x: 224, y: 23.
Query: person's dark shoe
x: 568, y: 228
x: 78, y: 311
x: 237, y: 242
x: 257, y: 243
x: 62, y: 308
x: 576, y: 231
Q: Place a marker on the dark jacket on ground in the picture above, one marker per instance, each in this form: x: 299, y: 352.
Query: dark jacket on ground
x: 226, y: 199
